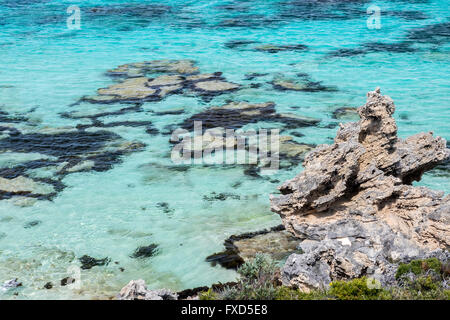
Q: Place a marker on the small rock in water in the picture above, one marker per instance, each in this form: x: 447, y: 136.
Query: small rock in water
x: 48, y: 285
x: 146, y: 251
x: 67, y: 280
x: 165, y: 207
x: 88, y: 262
x: 31, y: 224
x: 221, y: 196
x: 11, y: 284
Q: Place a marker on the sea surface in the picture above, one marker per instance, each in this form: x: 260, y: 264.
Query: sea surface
x: 136, y: 199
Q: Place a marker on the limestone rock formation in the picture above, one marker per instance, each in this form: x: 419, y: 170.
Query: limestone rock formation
x: 354, y: 206
x: 137, y: 290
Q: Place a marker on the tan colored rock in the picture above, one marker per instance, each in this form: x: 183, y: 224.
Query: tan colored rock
x: 155, y: 66
x: 165, y: 90
x: 242, y: 105
x: 24, y: 184
x: 203, y: 76
x: 137, y: 290
x: 358, y: 191
x: 165, y: 80
x: 215, y: 86
x: 130, y: 89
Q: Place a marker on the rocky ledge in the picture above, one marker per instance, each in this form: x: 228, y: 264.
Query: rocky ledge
x: 354, y: 208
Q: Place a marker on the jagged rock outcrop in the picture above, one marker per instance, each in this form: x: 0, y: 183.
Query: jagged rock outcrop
x: 137, y: 290
x: 354, y: 206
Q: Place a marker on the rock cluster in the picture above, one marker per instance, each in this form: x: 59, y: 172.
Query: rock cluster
x: 174, y: 76
x: 137, y: 290
x: 56, y: 152
x: 354, y: 206
x: 212, y: 141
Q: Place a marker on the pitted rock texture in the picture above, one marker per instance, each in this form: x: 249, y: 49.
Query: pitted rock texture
x: 354, y: 206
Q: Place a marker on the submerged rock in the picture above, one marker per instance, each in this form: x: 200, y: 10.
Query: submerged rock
x: 156, y: 66
x: 275, y: 242
x: 235, y: 115
x: 178, y: 77
x: 88, y: 262
x: 301, y: 83
x: 62, y: 151
x: 32, y: 224
x: 212, y: 86
x: 270, y: 48
x: 24, y: 185
x: 137, y: 290
x: 146, y: 251
x: 346, y: 113
x: 354, y: 207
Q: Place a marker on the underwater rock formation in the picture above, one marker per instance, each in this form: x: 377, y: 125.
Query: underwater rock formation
x: 212, y: 140
x: 354, y: 207
x: 235, y: 115
x: 174, y: 76
x: 302, y: 82
x: 139, y: 69
x: 276, y: 242
x: 38, y: 159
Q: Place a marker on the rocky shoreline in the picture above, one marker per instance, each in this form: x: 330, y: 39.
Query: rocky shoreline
x: 353, y: 212
x: 354, y: 207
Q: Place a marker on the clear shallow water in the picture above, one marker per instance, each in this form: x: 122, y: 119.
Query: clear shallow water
x: 45, y: 68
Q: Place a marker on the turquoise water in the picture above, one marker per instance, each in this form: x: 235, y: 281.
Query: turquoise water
x: 45, y: 68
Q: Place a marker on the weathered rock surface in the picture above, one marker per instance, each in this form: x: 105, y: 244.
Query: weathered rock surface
x: 137, y: 290
x: 354, y: 206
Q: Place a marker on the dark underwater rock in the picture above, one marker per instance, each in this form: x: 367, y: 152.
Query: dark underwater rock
x: 396, y: 47
x: 67, y: 280
x: 31, y: 224
x: 301, y: 83
x: 235, y: 115
x: 48, y: 285
x: 222, y: 196
x: 234, y: 44
x: 345, y: 113
x: 146, y: 251
x: 66, y: 144
x: 409, y: 15
x: 438, y: 33
x: 88, y: 262
x: 164, y: 206
x: 270, y: 48
x: 322, y: 10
